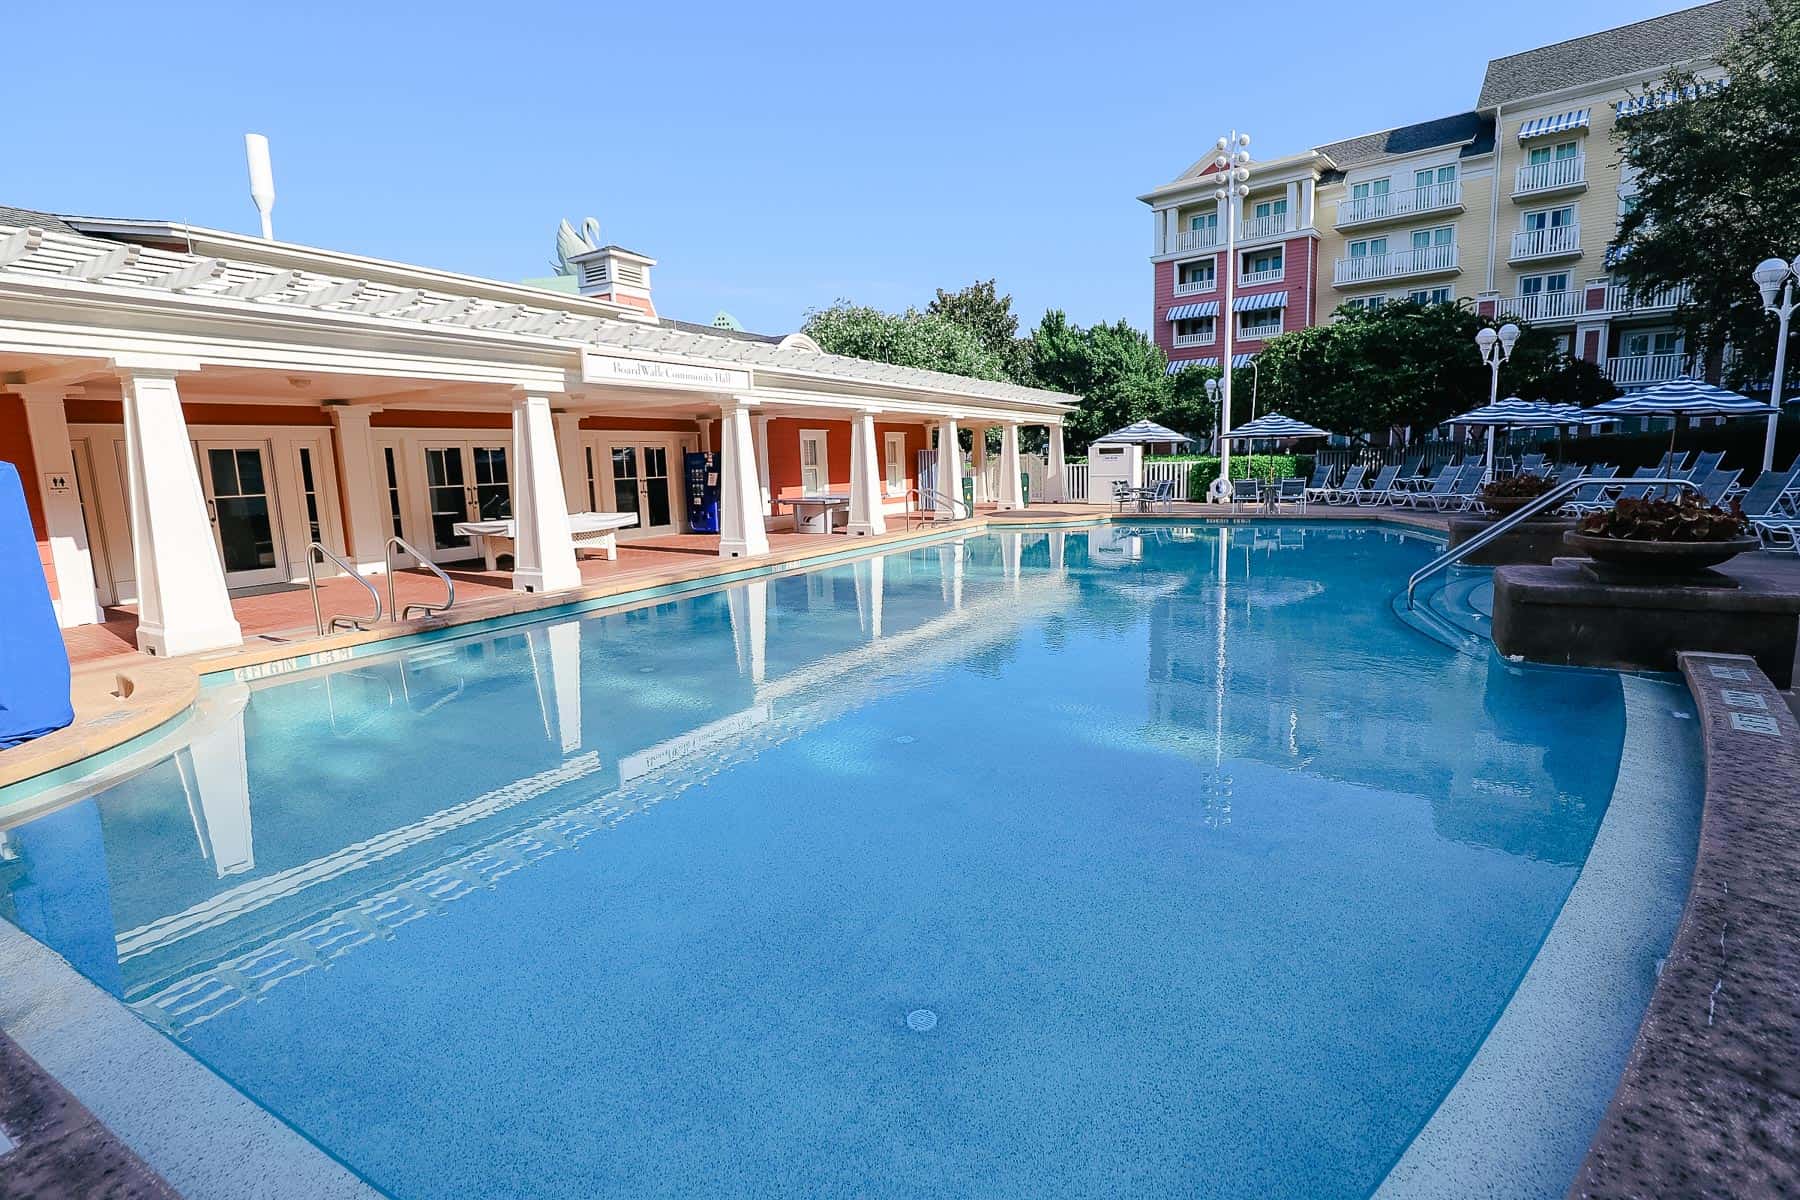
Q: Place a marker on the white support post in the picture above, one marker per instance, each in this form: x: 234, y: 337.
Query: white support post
x: 949, y: 471
x: 568, y: 452
x: 365, y: 488
x: 871, y: 589
x: 704, y: 421
x: 71, y: 558
x: 218, y: 768
x: 866, y: 516
x: 543, y: 548
x: 183, y: 607
x: 747, y: 607
x: 1012, y: 490
x: 1056, y: 487
x: 760, y: 424
x: 741, y: 532
x: 978, y: 464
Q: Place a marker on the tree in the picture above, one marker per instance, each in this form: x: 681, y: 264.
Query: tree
x: 1718, y: 184
x: 909, y: 339
x: 981, y: 310
x: 1120, y: 375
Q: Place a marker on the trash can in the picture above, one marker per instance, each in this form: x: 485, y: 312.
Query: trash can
x: 1025, y: 488
x: 968, y: 482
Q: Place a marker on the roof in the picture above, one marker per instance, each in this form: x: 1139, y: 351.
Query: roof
x: 25, y: 218
x: 1692, y: 33
x: 718, y: 331
x: 1470, y: 130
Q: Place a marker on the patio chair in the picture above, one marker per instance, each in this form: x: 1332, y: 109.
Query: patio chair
x: 1440, y: 486
x: 1671, y: 462
x: 1706, y: 464
x: 1504, y: 466
x: 1320, y: 483
x: 1714, y: 486
x: 1163, y: 495
x: 1461, y: 496
x: 1245, y: 491
x: 1592, y: 497
x: 1566, y: 472
x: 1291, y: 491
x: 1378, y: 491
x: 1771, y: 513
x: 1124, y: 493
x: 1352, y: 481
x: 1410, y: 473
x: 1533, y: 464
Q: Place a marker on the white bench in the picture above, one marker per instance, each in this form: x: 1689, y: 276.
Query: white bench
x: 591, y: 531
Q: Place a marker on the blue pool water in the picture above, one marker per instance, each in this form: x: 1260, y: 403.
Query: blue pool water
x: 1147, y: 862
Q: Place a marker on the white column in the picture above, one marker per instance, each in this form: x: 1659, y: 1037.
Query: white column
x: 183, y: 607
x: 364, y: 490
x: 556, y: 664
x: 1059, y: 543
x: 741, y: 532
x: 1293, y: 206
x: 1056, y: 486
x: 949, y: 470
x: 1012, y: 494
x: 748, y: 608
x: 70, y: 556
x: 543, y: 549
x: 760, y: 426
x: 1309, y: 199
x: 568, y: 453
x: 866, y: 515
x: 704, y: 421
x: 979, y: 464
x: 215, y: 774
x: 871, y: 588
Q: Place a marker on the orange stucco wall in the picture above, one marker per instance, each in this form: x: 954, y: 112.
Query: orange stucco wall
x: 15, y: 448
x: 784, y: 452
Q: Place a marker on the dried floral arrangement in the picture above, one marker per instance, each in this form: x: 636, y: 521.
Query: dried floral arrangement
x: 1683, y: 520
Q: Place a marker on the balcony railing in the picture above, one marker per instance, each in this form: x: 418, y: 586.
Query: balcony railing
x: 1551, y: 176
x: 1251, y: 278
x: 1194, y: 239
x: 1196, y: 339
x: 1272, y: 225
x: 1543, y: 306
x: 1636, y: 370
x: 1195, y: 286
x: 1553, y: 241
x: 1423, y: 260
x: 1384, y: 206
x: 1621, y: 299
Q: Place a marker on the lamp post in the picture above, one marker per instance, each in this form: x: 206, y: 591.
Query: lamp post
x: 1772, y: 274
x: 1496, y: 347
x: 1212, y: 394
x: 1231, y: 157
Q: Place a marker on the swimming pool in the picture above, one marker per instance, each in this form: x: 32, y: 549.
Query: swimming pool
x: 1148, y: 860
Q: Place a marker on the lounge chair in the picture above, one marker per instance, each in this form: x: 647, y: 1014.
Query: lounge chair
x: 1532, y: 464
x: 1461, y: 496
x: 1504, y: 466
x: 1592, y: 497
x: 1341, y: 494
x: 1378, y: 491
x: 1319, y: 484
x: 1440, y: 486
x: 1245, y: 491
x: 1714, y: 486
x: 1706, y: 464
x: 1410, y: 477
x: 1771, y: 512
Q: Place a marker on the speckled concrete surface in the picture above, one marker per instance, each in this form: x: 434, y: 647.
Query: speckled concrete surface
x: 1709, y: 1105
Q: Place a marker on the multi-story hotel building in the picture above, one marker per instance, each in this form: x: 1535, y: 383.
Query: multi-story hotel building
x: 1511, y: 205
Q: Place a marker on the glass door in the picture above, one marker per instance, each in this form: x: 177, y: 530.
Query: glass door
x: 493, y: 488
x: 238, y: 486
x: 447, y: 497
x: 641, y: 483
x: 658, y: 511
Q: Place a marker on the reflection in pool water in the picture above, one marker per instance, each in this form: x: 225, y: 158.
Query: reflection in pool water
x: 1207, y: 882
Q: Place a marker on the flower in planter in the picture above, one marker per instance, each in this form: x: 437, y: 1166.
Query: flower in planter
x: 1683, y: 520
x: 1516, y: 487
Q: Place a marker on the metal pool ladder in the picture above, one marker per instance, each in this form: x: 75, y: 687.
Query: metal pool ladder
x: 424, y: 610
x: 916, y: 497
x: 1549, y: 500
x: 337, y: 621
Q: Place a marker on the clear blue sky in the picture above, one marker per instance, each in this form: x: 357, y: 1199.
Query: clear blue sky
x: 772, y: 158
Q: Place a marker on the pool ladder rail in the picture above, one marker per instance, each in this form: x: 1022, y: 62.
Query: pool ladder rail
x: 315, y: 552
x: 915, y: 506
x: 1552, y: 499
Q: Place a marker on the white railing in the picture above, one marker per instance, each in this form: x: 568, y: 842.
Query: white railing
x: 1175, y: 473
x: 1194, y: 239
x: 1549, y: 176
x: 1075, y: 481
x: 1621, y: 299
x: 1638, y: 369
x: 1549, y: 242
x: 1384, y: 206
x: 1195, y: 286
x: 1544, y: 306
x: 1422, y: 260
x: 1250, y: 278
x: 1272, y: 225
x: 1197, y: 339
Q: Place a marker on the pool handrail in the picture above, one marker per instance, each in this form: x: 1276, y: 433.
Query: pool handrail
x: 426, y: 610
x: 1552, y: 499
x: 320, y: 624
x: 938, y: 500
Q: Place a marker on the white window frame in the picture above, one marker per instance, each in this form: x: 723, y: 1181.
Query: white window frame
x: 1262, y: 314
x: 893, y: 458
x: 820, y: 438
x: 1205, y: 260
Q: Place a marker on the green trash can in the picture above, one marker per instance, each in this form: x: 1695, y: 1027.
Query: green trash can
x: 1025, y: 488
x: 969, y: 494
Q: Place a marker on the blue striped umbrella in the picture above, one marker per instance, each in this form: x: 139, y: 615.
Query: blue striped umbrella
x: 1684, y: 398
x: 1514, y: 413
x: 1274, y: 425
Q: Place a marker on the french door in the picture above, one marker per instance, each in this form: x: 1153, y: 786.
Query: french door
x: 636, y: 479
x: 464, y: 481
x: 239, y: 490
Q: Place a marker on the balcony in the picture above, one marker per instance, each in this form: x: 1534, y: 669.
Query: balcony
x: 1195, y: 339
x: 1195, y: 287
x: 1543, y: 306
x: 1640, y: 370
x: 1273, y: 225
x: 1193, y: 239
x: 1252, y: 278
x: 1553, y: 241
x: 1394, y: 206
x: 1368, y: 268
x: 1622, y: 301
x: 1548, y: 178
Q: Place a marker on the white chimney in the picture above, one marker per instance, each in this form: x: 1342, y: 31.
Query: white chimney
x: 262, y: 179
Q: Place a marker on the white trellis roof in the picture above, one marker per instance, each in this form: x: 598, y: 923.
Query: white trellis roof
x: 32, y: 254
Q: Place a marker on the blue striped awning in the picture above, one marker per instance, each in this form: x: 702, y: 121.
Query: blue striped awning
x: 1662, y: 99
x: 1258, y: 303
x: 1241, y: 360
x: 1560, y: 123
x: 1188, y: 312
x: 1182, y: 364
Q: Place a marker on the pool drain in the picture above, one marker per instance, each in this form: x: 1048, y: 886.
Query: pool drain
x: 921, y: 1020
x: 905, y: 739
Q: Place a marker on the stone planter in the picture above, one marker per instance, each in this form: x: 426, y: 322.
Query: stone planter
x: 1538, y: 540
x: 1506, y: 506
x: 1625, y: 555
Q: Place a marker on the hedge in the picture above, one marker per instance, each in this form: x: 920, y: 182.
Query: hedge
x: 1247, y: 466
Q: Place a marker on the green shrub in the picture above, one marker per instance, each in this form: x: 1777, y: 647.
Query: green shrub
x: 1247, y: 466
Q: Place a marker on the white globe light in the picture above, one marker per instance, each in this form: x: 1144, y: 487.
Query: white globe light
x: 1769, y: 273
x: 1243, y: 189
x: 1223, y: 143
x: 1509, y: 333
x: 1243, y: 139
x: 1485, y: 338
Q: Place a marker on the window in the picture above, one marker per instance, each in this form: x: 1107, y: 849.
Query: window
x: 1425, y: 239
x: 1195, y: 331
x: 1550, y: 218
x: 1535, y: 285
x: 1198, y: 275
x: 393, y: 489
x: 1436, y: 295
x: 1372, y: 187
x: 1428, y: 176
x: 1204, y: 221
x: 1650, y: 341
x: 1368, y: 247
x: 1262, y: 323
x: 1272, y: 208
x: 893, y: 457
x: 1364, y: 303
x: 813, y: 474
x: 1258, y: 261
x: 310, y: 495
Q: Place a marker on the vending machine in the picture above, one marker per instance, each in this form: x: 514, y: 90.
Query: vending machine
x: 703, y: 492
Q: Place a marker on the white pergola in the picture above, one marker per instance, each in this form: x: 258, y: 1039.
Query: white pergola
x: 176, y: 313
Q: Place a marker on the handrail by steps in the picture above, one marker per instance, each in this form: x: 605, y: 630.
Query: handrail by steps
x: 949, y: 503
x: 1554, y: 498
x: 428, y: 610
x: 312, y: 585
